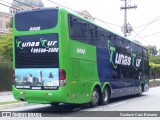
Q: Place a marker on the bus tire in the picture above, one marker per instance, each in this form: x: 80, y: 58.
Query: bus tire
x: 95, y: 98
x: 104, y: 98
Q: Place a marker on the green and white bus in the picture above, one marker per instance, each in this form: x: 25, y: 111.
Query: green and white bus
x: 61, y: 57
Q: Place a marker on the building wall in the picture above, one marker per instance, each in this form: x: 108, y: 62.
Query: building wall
x: 86, y: 14
x: 4, y: 19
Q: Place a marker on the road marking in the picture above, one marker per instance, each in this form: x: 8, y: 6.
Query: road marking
x: 117, y: 104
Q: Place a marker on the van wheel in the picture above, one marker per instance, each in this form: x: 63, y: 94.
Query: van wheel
x: 95, y: 98
x: 104, y: 96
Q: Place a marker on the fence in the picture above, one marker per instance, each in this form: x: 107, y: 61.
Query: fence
x: 6, y: 76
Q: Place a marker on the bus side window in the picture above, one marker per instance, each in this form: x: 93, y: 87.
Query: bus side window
x: 133, y: 50
x: 113, y: 39
x: 119, y: 44
x: 140, y: 51
x: 93, y: 34
x: 79, y: 29
x: 102, y: 41
x: 145, y: 54
x: 127, y: 46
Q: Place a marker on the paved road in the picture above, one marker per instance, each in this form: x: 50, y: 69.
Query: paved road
x: 147, y: 102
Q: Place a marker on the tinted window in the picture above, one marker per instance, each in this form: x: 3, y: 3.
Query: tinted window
x: 37, y: 51
x: 145, y: 52
x: 78, y: 29
x: 140, y: 51
x: 83, y: 31
x: 42, y: 19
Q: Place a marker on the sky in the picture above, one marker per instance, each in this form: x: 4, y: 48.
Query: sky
x: 145, y: 20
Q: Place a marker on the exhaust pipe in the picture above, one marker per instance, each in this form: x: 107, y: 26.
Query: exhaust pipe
x: 22, y: 99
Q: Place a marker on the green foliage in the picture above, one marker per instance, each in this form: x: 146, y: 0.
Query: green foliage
x: 155, y: 69
x: 10, y: 23
x: 152, y: 50
x: 6, y: 76
x: 155, y: 59
x: 6, y: 45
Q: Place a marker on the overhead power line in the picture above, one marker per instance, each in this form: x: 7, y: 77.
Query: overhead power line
x: 58, y: 5
x: 23, y: 3
x: 147, y: 23
x: 83, y: 14
x: 11, y: 4
x: 153, y: 34
x: 8, y: 6
x: 139, y: 36
x: 145, y: 27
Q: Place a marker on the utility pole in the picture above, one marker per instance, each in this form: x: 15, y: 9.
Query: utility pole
x: 126, y: 29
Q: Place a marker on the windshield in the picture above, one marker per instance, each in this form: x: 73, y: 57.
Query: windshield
x: 37, y: 51
x: 36, y: 20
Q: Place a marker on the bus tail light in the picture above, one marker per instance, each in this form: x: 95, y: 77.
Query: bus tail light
x: 62, y: 77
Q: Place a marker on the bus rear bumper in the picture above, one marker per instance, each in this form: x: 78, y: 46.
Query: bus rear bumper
x: 41, y: 96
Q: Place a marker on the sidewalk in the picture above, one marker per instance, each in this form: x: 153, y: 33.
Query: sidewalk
x: 6, y: 97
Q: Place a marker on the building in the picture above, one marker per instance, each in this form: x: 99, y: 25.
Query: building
x: 86, y: 14
x: 25, y: 5
x: 4, y: 19
x: 16, y: 6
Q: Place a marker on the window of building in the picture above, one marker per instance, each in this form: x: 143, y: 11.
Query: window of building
x: 7, y: 16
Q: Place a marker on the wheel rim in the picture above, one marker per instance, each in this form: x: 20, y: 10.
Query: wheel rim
x: 105, y: 95
x: 95, y: 97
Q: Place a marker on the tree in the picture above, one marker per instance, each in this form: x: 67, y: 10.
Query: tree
x: 10, y: 23
x: 6, y: 45
x: 152, y: 49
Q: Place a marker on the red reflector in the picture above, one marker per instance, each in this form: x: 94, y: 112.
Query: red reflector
x: 62, y: 74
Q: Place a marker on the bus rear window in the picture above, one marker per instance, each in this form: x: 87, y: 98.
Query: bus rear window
x: 36, y: 20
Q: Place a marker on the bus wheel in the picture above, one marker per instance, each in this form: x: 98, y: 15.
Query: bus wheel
x: 104, y: 96
x: 95, y: 98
